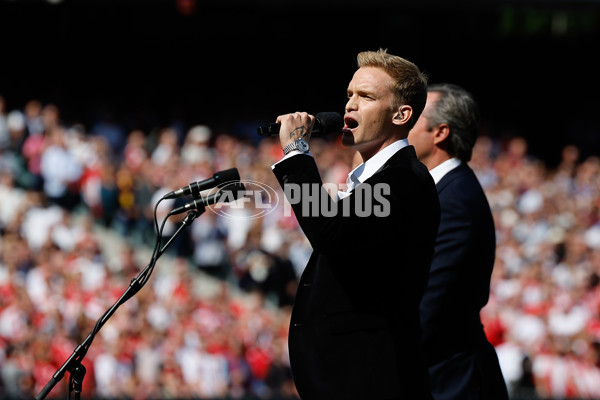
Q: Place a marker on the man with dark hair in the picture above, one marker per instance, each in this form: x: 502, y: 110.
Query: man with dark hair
x: 462, y: 363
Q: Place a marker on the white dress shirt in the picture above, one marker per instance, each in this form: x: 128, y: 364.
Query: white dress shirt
x: 438, y: 172
x: 365, y: 170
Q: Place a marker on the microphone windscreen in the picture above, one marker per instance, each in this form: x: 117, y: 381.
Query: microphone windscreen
x: 328, y: 122
x: 227, y: 175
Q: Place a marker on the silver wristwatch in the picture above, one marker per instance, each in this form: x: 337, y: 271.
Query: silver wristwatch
x: 298, y: 144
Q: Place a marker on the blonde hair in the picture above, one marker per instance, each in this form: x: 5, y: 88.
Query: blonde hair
x: 410, y: 84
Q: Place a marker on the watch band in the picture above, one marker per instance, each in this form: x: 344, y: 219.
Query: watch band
x: 289, y: 148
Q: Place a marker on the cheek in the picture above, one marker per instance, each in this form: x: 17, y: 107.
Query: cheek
x: 420, y: 142
x: 413, y: 138
x: 376, y: 123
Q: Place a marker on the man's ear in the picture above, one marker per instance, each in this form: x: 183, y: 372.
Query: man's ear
x: 403, y: 115
x: 440, y: 133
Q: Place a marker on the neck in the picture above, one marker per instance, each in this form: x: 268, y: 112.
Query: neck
x: 436, y: 159
x: 368, y: 153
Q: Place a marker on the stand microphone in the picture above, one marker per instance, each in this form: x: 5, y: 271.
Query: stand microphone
x: 229, y: 193
x: 195, y: 188
x: 73, y: 364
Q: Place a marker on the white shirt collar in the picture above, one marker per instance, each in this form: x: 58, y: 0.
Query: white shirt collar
x: 365, y: 170
x: 438, y: 172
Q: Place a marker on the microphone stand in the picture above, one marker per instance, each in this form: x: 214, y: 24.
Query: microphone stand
x: 73, y: 364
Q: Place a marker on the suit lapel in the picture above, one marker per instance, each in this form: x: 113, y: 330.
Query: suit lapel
x: 405, y: 153
x: 461, y: 170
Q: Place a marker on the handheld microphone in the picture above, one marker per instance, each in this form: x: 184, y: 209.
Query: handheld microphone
x: 325, y: 123
x: 196, y: 187
x: 229, y: 193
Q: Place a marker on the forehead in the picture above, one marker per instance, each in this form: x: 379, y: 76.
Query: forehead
x: 432, y: 98
x: 371, y: 78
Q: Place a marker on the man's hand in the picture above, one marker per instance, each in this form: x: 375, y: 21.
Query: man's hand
x: 295, y: 126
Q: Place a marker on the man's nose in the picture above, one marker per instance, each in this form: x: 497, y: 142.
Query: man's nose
x: 351, y: 103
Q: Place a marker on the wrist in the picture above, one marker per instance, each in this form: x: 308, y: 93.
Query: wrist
x: 298, y: 144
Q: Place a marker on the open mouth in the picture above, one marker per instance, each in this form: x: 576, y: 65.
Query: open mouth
x: 350, y: 124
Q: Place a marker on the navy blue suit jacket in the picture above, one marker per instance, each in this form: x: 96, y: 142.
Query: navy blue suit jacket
x: 462, y: 363
x: 355, y: 330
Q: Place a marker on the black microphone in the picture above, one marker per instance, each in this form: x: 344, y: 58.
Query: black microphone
x: 195, y: 188
x: 227, y: 194
x: 325, y: 123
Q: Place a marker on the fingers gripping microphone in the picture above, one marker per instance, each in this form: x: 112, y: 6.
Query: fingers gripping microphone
x: 196, y: 187
x: 230, y: 192
x: 325, y: 123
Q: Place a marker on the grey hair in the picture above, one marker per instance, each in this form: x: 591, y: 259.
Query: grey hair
x: 457, y: 108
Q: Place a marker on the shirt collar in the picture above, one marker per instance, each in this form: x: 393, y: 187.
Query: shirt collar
x: 438, y: 172
x: 365, y: 170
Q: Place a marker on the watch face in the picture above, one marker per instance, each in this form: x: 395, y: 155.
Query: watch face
x: 302, y: 145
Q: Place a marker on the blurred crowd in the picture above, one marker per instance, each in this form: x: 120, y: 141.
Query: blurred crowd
x: 61, y: 183
x: 544, y: 312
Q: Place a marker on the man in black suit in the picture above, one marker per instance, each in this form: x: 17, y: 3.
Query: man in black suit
x: 462, y: 363
x: 355, y: 330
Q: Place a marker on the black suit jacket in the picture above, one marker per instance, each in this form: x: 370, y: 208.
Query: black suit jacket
x: 463, y: 364
x: 355, y: 330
